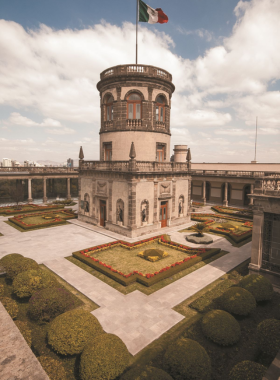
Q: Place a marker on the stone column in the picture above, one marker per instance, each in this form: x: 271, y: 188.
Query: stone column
x: 45, y: 190
x: 110, y: 201
x: 225, y: 203
x: 68, y: 189
x: 132, y: 205
x: 257, y: 240
x: 155, y: 206
x: 204, y: 192
x: 251, y: 192
x: 30, y: 200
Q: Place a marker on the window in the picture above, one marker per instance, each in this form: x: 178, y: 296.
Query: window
x: 108, y: 151
x: 160, y: 108
x: 109, y: 107
x: 134, y: 106
x: 160, y: 152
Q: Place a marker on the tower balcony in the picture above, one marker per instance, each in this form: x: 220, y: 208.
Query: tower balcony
x: 130, y: 123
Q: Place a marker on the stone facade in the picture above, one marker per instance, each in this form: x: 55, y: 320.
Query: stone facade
x: 265, y: 258
x: 146, y: 192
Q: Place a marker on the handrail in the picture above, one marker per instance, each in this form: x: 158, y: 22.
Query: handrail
x: 146, y: 70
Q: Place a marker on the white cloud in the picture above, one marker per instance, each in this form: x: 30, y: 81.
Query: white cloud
x: 17, y: 119
x: 202, y: 33
x: 61, y: 131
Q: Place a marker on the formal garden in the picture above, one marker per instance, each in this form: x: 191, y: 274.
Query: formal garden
x: 26, y: 208
x: 231, y: 329
x: 27, y: 222
x: 239, y: 212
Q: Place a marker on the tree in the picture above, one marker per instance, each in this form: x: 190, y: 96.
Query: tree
x: 17, y: 193
x: 199, y: 228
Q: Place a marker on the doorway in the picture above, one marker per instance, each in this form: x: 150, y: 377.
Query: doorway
x: 102, y: 213
x: 163, y: 214
x: 247, y: 190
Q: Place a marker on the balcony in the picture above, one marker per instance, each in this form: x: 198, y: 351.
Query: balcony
x: 160, y: 124
x: 108, y: 124
x: 133, y: 123
x: 268, y: 186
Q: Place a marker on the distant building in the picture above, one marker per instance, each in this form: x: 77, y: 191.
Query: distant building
x: 70, y: 163
x: 6, y: 162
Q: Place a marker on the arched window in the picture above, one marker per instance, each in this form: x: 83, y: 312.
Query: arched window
x: 160, y: 108
x: 134, y: 106
x: 109, y: 107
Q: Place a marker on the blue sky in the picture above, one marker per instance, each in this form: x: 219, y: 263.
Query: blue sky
x: 224, y: 57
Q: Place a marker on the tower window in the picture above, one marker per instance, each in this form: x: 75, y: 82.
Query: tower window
x: 134, y: 106
x: 161, y: 152
x: 160, y: 108
x: 109, y: 107
x: 107, y: 151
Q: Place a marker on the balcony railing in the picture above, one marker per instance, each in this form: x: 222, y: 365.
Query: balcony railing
x: 146, y: 70
x: 268, y: 186
x: 133, y: 123
x: 108, y: 124
x: 231, y: 173
x: 160, y: 124
x: 35, y: 169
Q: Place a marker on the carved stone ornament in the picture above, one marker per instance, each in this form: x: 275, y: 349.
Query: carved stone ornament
x: 102, y: 187
x: 165, y: 188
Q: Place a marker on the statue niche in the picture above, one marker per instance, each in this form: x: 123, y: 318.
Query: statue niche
x: 120, y: 212
x: 181, y: 206
x: 86, y: 203
x: 144, y: 212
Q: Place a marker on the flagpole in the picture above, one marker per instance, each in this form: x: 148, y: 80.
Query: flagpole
x: 137, y: 11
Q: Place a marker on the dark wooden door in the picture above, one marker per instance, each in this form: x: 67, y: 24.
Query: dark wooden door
x: 163, y: 214
x: 102, y: 213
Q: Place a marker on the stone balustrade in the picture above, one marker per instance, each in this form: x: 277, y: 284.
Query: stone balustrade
x: 36, y: 169
x: 130, y: 123
x: 139, y: 166
x: 268, y: 185
x: 230, y: 173
x: 149, y: 71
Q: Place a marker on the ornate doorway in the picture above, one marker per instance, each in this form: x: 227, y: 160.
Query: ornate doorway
x: 102, y: 213
x: 163, y: 214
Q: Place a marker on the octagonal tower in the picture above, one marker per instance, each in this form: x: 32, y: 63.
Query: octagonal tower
x: 135, y: 107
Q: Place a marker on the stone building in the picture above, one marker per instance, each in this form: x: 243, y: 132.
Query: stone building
x: 134, y: 188
x: 265, y: 257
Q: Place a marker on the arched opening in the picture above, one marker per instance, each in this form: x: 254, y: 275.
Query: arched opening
x: 160, y: 108
x: 208, y: 191
x: 108, y: 100
x: 134, y: 106
x: 246, y: 191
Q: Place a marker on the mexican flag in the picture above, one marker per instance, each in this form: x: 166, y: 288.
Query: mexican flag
x: 150, y: 15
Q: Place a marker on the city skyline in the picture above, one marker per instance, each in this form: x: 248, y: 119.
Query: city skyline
x: 224, y: 59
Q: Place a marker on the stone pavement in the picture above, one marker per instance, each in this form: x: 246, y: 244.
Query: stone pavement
x: 17, y: 359
x: 136, y: 318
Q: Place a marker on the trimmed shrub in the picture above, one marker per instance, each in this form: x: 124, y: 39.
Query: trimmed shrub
x: 11, y: 306
x: 27, y: 283
x: 166, y: 237
x: 104, y: 359
x: 238, y: 301
x: 53, y: 368
x: 277, y: 312
x: 2, y: 290
x: 269, y: 336
x: 25, y: 331
x: 15, y: 267
x: 258, y: 285
x: 221, y: 327
x: 247, y: 370
x: 186, y: 359
x: 146, y: 373
x: 8, y: 258
x: 70, y: 331
x: 48, y: 303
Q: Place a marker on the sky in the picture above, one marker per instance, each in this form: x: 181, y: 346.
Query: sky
x: 224, y: 57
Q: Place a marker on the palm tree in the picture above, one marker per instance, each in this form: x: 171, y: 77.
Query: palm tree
x: 199, y: 228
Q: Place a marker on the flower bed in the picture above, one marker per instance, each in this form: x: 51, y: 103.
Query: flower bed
x: 199, y: 204
x: 241, y: 212
x: 20, y: 220
x: 147, y: 279
x: 236, y: 236
x: 12, y: 210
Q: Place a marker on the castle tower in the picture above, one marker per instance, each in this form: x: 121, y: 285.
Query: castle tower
x: 135, y: 107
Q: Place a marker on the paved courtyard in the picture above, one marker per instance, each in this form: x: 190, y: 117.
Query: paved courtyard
x: 138, y: 319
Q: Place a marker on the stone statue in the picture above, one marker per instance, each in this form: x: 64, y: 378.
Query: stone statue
x: 119, y: 214
x: 86, y: 206
x: 144, y: 214
x: 180, y: 207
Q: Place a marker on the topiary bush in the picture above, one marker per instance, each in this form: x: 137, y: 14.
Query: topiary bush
x: 8, y: 258
x: 146, y: 373
x: 53, y: 368
x: 259, y: 286
x: 104, y: 359
x: 11, y: 306
x: 48, y: 303
x: 15, y: 267
x: 25, y: 331
x: 237, y: 300
x: 2, y: 290
x: 29, y: 282
x: 269, y: 336
x: 186, y: 359
x: 247, y: 370
x: 277, y: 311
x: 70, y: 331
x: 221, y: 327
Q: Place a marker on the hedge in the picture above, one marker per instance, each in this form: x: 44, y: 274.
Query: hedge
x: 25, y: 331
x: 104, y: 359
x: 268, y: 332
x: 29, y: 282
x: 70, y: 332
x: 146, y: 373
x: 11, y: 306
x: 237, y: 300
x: 20, y: 265
x: 11, y: 257
x: 221, y: 327
x: 186, y: 359
x: 36, y: 209
x: 247, y: 370
x: 53, y: 368
x: 259, y: 286
x: 141, y: 279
